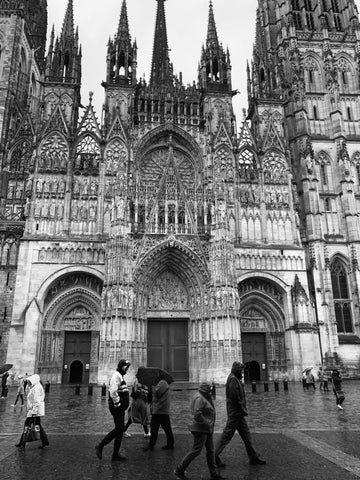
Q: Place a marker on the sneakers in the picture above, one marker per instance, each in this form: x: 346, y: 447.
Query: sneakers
x: 257, y: 461
x: 127, y: 435
x: 147, y: 435
x: 340, y: 407
x: 98, y: 451
x: 179, y: 473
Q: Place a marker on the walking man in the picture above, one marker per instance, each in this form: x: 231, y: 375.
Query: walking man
x: 202, y: 429
x: 118, y: 404
x: 236, y: 411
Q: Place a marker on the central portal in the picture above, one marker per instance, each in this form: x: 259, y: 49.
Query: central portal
x: 168, y: 347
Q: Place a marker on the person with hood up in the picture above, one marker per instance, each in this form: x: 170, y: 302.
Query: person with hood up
x: 20, y: 391
x: 337, y: 388
x: 202, y: 428
x: 236, y: 412
x: 118, y: 404
x: 35, y: 406
x: 159, y: 396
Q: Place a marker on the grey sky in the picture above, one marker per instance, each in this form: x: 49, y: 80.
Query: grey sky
x: 186, y: 28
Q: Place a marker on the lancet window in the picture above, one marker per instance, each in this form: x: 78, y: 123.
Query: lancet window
x: 342, y: 301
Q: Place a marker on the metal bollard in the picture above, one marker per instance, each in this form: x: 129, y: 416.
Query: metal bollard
x: 213, y: 390
x: 90, y: 389
x: 77, y: 389
x: 276, y: 385
x: 47, y: 386
x: 103, y: 390
x: 253, y: 386
x: 266, y: 386
x: 286, y: 385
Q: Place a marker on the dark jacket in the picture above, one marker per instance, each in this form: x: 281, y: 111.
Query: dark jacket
x: 160, y: 403
x: 203, y: 411
x: 235, y: 396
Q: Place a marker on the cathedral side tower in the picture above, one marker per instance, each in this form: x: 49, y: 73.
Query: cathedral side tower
x: 306, y: 60
x: 22, y: 46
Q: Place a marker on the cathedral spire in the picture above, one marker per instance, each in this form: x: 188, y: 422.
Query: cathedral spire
x: 212, y: 38
x: 123, y: 29
x: 63, y: 63
x: 68, y: 25
x: 161, y: 68
x: 121, y: 56
x: 215, y: 67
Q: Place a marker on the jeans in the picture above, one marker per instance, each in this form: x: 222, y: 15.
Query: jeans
x: 117, y: 433
x: 21, y: 396
x: 236, y: 423
x: 200, y: 439
x: 164, y: 421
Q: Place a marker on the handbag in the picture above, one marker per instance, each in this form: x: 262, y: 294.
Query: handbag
x: 31, y: 432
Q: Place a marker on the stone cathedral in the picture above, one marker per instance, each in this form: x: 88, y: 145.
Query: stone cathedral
x: 167, y: 232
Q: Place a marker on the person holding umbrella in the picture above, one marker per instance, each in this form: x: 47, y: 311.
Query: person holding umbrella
x: 118, y: 404
x: 159, y: 399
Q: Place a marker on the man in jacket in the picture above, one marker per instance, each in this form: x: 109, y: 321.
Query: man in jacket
x: 236, y: 411
x: 202, y: 429
x: 160, y: 414
x: 118, y: 404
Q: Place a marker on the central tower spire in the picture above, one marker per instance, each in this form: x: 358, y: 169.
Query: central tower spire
x: 161, y: 68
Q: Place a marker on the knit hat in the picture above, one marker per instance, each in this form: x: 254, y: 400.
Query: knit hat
x: 205, y: 388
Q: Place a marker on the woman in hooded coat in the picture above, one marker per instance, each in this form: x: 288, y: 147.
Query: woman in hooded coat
x: 35, y: 406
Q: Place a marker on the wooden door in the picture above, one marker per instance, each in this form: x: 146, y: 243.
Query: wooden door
x: 254, y: 355
x: 77, y: 349
x: 168, y: 347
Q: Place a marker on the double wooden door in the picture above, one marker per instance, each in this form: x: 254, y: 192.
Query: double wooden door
x: 168, y: 347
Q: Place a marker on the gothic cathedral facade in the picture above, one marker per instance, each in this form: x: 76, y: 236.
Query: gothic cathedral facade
x: 164, y: 233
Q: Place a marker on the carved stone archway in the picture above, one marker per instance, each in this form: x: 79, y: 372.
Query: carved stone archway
x: 72, y: 304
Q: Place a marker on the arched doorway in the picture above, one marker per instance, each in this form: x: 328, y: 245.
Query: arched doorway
x: 262, y: 321
x: 252, y: 371
x: 76, y: 372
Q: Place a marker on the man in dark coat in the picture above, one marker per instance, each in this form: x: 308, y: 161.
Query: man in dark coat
x: 202, y: 429
x: 236, y: 411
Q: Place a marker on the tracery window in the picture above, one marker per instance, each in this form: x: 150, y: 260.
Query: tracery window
x: 247, y: 165
x: 342, y: 301
x: 87, y: 154
x: 323, y: 174
x: 115, y: 157
x: 275, y: 169
x: 19, y: 161
x: 54, y: 154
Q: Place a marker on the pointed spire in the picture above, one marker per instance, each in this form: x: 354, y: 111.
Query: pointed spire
x: 161, y: 69
x: 68, y: 25
x: 123, y: 29
x: 212, y: 38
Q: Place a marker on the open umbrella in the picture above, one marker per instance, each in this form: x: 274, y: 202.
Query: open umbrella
x: 5, y: 368
x: 149, y: 375
x: 306, y: 370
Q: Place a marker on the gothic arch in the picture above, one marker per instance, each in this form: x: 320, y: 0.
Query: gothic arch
x: 265, y: 296
x: 160, y: 136
x: 46, y: 285
x: 66, y: 302
x: 176, y: 258
x: 323, y: 158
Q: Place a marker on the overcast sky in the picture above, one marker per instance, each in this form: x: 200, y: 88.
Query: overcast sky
x: 186, y: 28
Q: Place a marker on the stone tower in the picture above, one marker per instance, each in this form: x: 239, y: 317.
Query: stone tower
x: 304, y: 77
x: 22, y: 47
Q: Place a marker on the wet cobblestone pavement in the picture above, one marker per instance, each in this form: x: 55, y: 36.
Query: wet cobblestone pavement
x: 301, y: 434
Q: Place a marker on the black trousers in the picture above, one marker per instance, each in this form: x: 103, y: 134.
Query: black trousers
x: 236, y: 423
x: 21, y: 396
x: 164, y: 421
x: 117, y: 433
x: 200, y: 439
x: 43, y: 436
